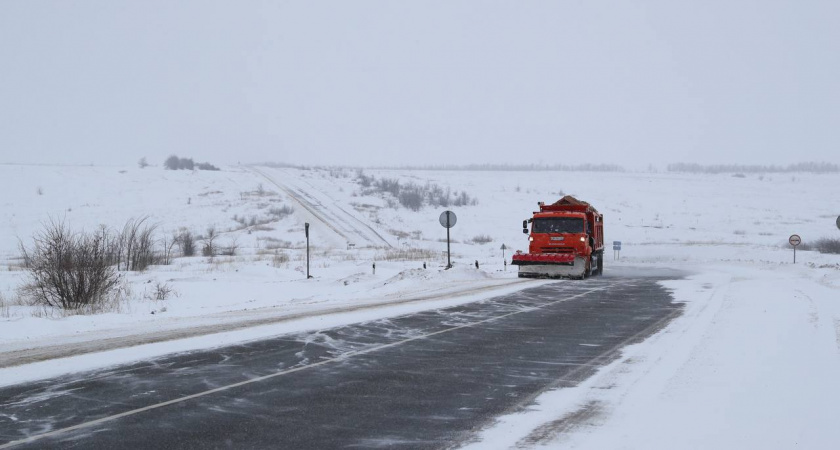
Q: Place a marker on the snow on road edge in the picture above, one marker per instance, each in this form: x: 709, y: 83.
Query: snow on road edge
x: 737, y: 370
x: 99, y: 360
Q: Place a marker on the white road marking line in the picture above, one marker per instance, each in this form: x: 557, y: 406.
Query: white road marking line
x: 277, y: 374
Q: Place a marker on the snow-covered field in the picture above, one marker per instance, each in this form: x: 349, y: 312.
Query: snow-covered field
x: 753, y: 362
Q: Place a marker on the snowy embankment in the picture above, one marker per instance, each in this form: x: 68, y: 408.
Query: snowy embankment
x: 753, y: 363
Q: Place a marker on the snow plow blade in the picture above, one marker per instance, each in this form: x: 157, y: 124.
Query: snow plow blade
x: 549, y: 266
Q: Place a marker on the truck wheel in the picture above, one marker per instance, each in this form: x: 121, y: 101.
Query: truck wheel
x: 588, y: 272
x: 601, y: 264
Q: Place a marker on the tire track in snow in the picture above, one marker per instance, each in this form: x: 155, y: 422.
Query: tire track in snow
x: 332, y: 215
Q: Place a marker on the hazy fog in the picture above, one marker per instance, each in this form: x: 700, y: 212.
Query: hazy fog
x: 423, y: 82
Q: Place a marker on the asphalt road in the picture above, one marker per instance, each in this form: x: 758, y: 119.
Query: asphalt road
x: 427, y: 380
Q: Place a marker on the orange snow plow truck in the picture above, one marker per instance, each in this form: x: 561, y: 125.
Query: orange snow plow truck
x: 566, y: 240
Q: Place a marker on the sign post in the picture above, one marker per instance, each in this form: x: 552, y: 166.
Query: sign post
x: 448, y: 220
x: 504, y: 247
x: 616, y: 250
x: 794, y: 240
x: 306, y: 230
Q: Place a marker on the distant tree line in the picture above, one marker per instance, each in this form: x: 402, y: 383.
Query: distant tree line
x: 176, y: 163
x: 472, y: 167
x: 514, y: 167
x: 808, y: 167
x: 283, y: 165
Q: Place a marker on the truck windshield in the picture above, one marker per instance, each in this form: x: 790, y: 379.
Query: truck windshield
x: 558, y: 225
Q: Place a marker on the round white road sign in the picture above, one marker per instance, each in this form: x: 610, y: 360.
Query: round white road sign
x: 838, y: 221
x: 448, y: 219
x: 795, y: 240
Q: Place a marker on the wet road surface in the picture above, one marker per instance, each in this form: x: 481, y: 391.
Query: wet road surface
x: 425, y: 380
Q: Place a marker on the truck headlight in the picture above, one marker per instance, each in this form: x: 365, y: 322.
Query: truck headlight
x: 582, y: 239
x: 531, y: 239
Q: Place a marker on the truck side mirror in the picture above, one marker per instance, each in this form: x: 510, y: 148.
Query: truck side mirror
x: 525, y: 226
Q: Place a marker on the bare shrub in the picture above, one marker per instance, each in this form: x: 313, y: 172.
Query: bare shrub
x: 389, y: 185
x: 438, y: 197
x: 186, y: 242
x: 410, y: 195
x: 209, y: 248
x: 281, y: 212
x: 828, y: 245
x: 412, y: 200
x: 338, y: 172
x: 409, y: 254
x: 482, y: 239
x: 144, y: 250
x: 5, y: 310
x: 115, y: 302
x: 279, y: 258
x: 161, y: 291
x: 68, y: 270
x: 39, y: 190
x: 135, y: 245
x: 363, y: 180
x: 168, y: 246
x: 272, y: 243
x: 399, y: 233
x: 142, y: 163
x: 463, y: 199
x: 231, y: 248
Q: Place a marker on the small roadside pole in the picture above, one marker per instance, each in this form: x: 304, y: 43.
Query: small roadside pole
x: 504, y: 247
x: 795, y: 240
x: 448, y: 220
x: 616, y: 250
x: 306, y: 230
x: 374, y: 267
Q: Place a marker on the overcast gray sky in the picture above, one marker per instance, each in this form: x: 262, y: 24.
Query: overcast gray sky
x: 421, y: 82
